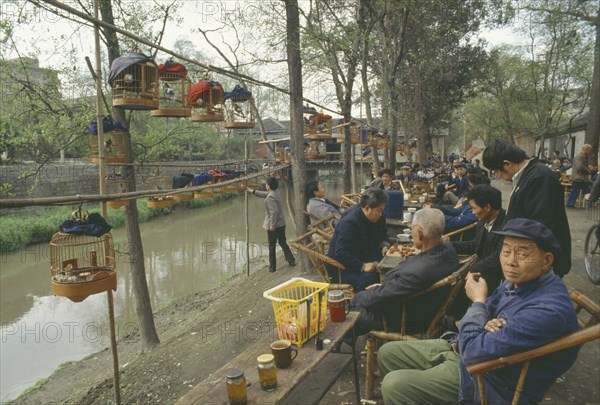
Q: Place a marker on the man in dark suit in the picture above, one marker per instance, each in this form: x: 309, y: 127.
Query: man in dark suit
x: 359, y: 240
x: 486, y: 203
x: 537, y: 194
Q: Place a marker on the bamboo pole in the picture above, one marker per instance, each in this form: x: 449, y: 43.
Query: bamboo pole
x: 102, y: 190
x: 246, y: 211
x: 99, y: 122
x: 113, y: 347
x: 79, y: 198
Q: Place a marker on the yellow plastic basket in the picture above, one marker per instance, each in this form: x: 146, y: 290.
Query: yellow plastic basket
x: 300, y: 308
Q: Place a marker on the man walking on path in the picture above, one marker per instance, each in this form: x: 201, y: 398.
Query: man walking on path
x: 581, y: 175
x: 274, y: 222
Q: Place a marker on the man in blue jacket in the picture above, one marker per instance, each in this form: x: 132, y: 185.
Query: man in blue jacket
x: 529, y: 309
x: 359, y: 241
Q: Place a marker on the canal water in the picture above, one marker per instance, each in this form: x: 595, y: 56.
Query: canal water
x: 186, y: 252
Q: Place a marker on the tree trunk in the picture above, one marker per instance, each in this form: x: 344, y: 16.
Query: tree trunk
x: 592, y: 131
x: 143, y: 306
x: 421, y: 132
x: 296, y: 120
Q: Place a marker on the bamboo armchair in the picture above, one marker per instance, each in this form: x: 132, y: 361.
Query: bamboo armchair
x: 461, y: 232
x: 312, y: 245
x: 589, y: 330
x: 324, y: 226
x: 454, y: 282
x: 349, y: 200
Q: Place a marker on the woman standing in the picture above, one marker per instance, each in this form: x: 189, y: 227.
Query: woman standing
x: 274, y: 222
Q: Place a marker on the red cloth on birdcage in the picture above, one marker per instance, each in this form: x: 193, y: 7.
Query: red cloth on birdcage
x: 198, y: 89
x: 172, y: 70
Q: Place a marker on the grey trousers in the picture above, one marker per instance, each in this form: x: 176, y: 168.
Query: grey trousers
x: 419, y: 372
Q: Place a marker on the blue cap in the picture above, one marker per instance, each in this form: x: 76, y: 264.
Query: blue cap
x: 532, y: 230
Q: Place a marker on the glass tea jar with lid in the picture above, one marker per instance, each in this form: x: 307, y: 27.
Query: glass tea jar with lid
x: 267, y: 373
x: 236, y: 387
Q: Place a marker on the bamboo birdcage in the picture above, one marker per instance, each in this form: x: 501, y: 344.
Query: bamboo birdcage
x: 173, y: 96
x: 115, y: 184
x: 206, y: 101
x: 204, y: 193
x: 159, y: 182
x: 316, y: 151
x: 239, y: 109
x: 82, y: 265
x: 320, y: 127
x: 136, y: 87
x: 115, y: 147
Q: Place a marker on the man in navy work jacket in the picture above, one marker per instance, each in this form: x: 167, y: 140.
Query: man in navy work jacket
x: 529, y: 309
x: 359, y: 240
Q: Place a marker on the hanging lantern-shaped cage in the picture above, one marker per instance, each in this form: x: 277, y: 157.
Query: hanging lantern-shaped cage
x: 115, y: 147
x: 82, y: 265
x: 134, y: 81
x: 116, y: 184
x: 206, y: 101
x: 383, y: 141
x: 173, y: 91
x: 239, y: 108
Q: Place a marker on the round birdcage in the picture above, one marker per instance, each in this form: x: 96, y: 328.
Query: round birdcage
x: 173, y: 94
x: 82, y: 265
x: 316, y: 151
x: 206, y: 100
x: 204, y: 194
x: 115, y: 184
x: 115, y: 147
x: 239, y: 114
x: 134, y: 81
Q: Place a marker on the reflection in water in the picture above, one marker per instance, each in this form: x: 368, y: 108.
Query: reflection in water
x: 190, y: 251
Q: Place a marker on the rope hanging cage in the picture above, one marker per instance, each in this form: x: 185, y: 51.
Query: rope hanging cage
x: 173, y: 91
x: 82, y: 265
x: 206, y: 99
x: 239, y: 108
x: 134, y: 82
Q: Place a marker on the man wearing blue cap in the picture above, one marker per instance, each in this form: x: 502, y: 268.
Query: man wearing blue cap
x: 529, y: 309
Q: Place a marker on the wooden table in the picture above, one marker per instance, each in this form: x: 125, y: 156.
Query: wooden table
x: 389, y: 262
x: 212, y: 390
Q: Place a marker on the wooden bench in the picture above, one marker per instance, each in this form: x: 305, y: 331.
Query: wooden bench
x: 212, y: 390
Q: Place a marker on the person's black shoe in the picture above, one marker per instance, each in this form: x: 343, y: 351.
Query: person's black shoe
x: 271, y: 269
x: 292, y: 263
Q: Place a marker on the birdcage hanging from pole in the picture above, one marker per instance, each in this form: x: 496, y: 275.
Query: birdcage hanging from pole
x: 134, y: 82
x: 239, y: 108
x: 206, y: 100
x: 115, y: 141
x: 173, y: 91
x: 82, y: 265
x: 317, y: 151
x: 317, y: 126
x: 159, y: 182
x: 116, y: 184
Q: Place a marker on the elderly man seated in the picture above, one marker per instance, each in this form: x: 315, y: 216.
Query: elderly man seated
x: 359, y: 241
x: 529, y: 309
x: 318, y: 206
x: 435, y: 261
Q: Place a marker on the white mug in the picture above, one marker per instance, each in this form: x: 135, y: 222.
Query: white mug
x: 407, y: 217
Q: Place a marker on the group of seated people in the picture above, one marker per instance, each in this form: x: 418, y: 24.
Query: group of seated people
x: 514, y: 297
